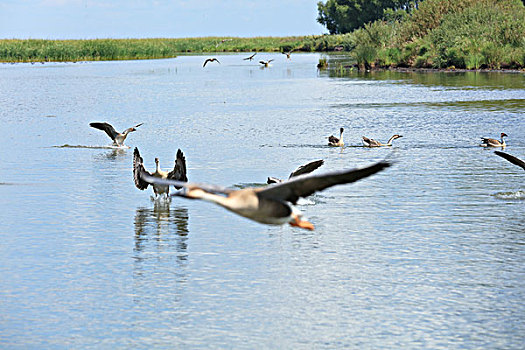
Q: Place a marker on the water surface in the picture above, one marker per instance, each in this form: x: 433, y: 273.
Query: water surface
x: 427, y: 254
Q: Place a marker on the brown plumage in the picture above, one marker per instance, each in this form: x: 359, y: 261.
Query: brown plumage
x: 303, y: 169
x: 117, y: 137
x: 178, y: 173
x: 250, y: 58
x: 265, y: 63
x: 373, y: 143
x: 336, y: 142
x: 273, y: 204
x: 210, y: 60
x: 486, y: 142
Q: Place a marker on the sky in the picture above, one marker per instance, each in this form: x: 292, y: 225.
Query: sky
x: 89, y: 19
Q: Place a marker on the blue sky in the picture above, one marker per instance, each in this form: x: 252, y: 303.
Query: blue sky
x: 86, y: 19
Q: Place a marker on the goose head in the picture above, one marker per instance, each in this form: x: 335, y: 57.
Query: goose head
x: 504, y: 135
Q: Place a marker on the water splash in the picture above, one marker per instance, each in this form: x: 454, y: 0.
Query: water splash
x: 517, y: 195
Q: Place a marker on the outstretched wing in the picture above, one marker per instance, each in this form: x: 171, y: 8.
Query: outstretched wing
x: 206, y: 62
x: 139, y: 171
x: 112, y: 133
x: 303, y: 186
x: 333, y: 139
x: 307, y: 168
x: 128, y: 130
x: 206, y: 187
x: 179, y: 170
x: 511, y: 159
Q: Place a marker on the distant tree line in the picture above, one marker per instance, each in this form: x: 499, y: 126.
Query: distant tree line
x: 344, y: 16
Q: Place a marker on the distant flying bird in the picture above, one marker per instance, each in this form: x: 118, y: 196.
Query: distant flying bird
x: 373, y: 143
x: 303, y: 169
x: 210, y: 60
x: 223, y: 41
x: 288, y: 54
x: 486, y: 142
x: 336, y: 142
x: 117, y: 137
x: 178, y: 173
x: 272, y: 204
x: 250, y: 58
x: 265, y: 63
x: 512, y: 159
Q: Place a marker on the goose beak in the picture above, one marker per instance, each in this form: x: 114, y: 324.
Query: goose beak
x: 307, y: 225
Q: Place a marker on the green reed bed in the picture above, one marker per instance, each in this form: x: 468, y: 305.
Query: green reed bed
x: 37, y: 50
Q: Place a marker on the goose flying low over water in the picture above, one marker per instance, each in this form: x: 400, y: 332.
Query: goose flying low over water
x: 303, y: 169
x: 511, y: 158
x: 117, y: 137
x: 273, y: 204
x: 288, y: 54
x: 210, y: 60
x: 250, y: 58
x: 336, y: 142
x: 373, y: 143
x: 486, y: 142
x: 178, y: 173
x: 265, y: 63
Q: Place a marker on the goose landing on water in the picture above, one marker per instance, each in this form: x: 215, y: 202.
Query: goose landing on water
x: 511, y: 158
x: 373, y: 143
x: 265, y: 63
x: 336, y: 142
x: 303, y: 169
x: 117, y: 137
x: 486, y: 142
x: 178, y: 173
x: 273, y: 204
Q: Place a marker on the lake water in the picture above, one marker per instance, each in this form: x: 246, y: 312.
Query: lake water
x: 429, y: 253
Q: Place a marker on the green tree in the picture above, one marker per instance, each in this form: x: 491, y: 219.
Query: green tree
x: 343, y: 16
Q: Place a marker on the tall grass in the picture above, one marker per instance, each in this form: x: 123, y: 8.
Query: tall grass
x: 34, y: 50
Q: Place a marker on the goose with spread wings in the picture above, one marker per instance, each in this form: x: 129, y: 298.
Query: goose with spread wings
x: 336, y: 142
x: 250, y: 57
x: 272, y: 204
x: 178, y: 173
x: 265, y: 63
x: 117, y: 137
x: 511, y: 158
x: 303, y: 169
x: 210, y: 60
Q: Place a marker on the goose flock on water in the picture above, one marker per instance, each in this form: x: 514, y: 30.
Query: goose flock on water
x: 274, y: 203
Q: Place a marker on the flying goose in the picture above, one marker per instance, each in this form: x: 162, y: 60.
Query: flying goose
x: 272, y: 204
x: 303, y: 169
x: 486, y: 142
x: 265, y: 63
x: 250, y: 58
x: 512, y: 159
x: 288, y: 54
x: 117, y: 137
x: 336, y: 142
x: 210, y: 60
x: 178, y: 173
x: 373, y: 143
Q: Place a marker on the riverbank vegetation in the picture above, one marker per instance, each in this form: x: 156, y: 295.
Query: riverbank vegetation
x: 35, y: 50
x: 466, y: 34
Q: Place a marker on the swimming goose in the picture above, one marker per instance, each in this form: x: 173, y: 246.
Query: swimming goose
x: 303, y: 169
x: 210, y: 60
x: 117, y: 137
x: 250, y: 58
x: 486, y: 142
x: 373, y: 143
x: 273, y: 204
x: 265, y: 63
x: 178, y: 173
x: 336, y: 142
x: 512, y: 159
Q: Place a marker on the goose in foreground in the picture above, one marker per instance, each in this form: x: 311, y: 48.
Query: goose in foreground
x: 117, y: 137
x: 250, y: 58
x: 273, y: 204
x: 178, y: 173
x: 265, y: 63
x: 373, y: 143
x: 486, y: 142
x: 210, y: 60
x: 303, y: 169
x: 336, y: 142
x: 512, y: 159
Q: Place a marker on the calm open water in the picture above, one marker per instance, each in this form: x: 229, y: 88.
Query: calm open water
x: 427, y: 254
